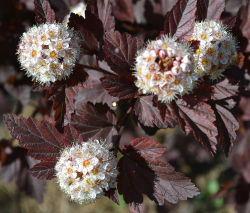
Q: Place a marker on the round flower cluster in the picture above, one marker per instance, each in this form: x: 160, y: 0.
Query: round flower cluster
x: 165, y: 68
x: 79, y: 9
x: 85, y: 170
x: 217, y: 51
x: 48, y: 52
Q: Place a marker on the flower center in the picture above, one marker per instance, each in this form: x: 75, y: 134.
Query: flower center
x: 89, y: 182
x: 43, y: 63
x: 204, y: 61
x: 59, y: 46
x: 43, y: 37
x: 218, y: 35
x: 70, y: 170
x: 86, y: 163
x: 95, y: 171
x: 53, y: 54
x: 53, y: 66
x: 51, y: 33
x: 203, y: 36
x: 34, y: 53
x: 210, y: 51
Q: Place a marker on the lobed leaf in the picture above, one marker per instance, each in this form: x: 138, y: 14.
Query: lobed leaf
x: 91, y: 30
x: 122, y: 86
x: 112, y: 195
x: 103, y: 9
x: 42, y: 140
x: 209, y: 9
x: 94, y: 121
x: 180, y: 19
x: 44, y: 170
x: 124, y: 10
x: 142, y: 174
x: 63, y: 92
x: 120, y: 50
x: 230, y: 22
x: 16, y: 166
x: 44, y: 13
x: 148, y: 113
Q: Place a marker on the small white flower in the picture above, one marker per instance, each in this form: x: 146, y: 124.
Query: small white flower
x: 217, y: 49
x: 48, y: 52
x: 165, y: 68
x: 85, y: 170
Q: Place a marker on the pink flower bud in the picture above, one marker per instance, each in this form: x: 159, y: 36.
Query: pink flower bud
x: 162, y: 54
x: 176, y: 63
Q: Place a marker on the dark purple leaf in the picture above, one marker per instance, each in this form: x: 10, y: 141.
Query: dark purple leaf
x: 91, y: 30
x: 209, y: 9
x: 230, y: 22
x: 122, y: 86
x: 94, y: 121
x: 124, y: 10
x: 142, y: 174
x: 44, y: 170
x: 148, y: 113
x: 20, y: 92
x: 42, y: 140
x: 112, y: 195
x: 103, y: 9
x: 198, y: 119
x: 180, y: 19
x: 16, y: 166
x: 44, y: 13
x: 63, y: 92
x: 120, y: 50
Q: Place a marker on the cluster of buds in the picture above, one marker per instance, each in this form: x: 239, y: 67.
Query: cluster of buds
x: 165, y: 68
x: 217, y: 51
x: 85, y: 170
x: 48, y: 52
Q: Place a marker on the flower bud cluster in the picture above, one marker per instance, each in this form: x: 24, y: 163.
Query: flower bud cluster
x: 85, y: 170
x: 48, y: 52
x: 217, y: 51
x: 165, y: 68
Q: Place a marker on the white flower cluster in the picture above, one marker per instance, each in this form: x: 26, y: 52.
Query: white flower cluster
x: 79, y: 9
x: 217, y: 50
x: 85, y: 170
x: 165, y: 68
x: 48, y: 52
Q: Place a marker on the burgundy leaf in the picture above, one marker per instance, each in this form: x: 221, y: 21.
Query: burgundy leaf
x: 198, y: 119
x: 122, y: 86
x: 112, y: 195
x: 19, y: 92
x: 120, y: 50
x: 36, y: 87
x: 180, y: 19
x: 103, y: 9
x: 42, y: 139
x: 227, y: 125
x: 124, y: 10
x: 209, y: 9
x: 203, y: 92
x: 63, y: 92
x: 148, y: 113
x: 225, y: 89
x: 16, y: 166
x: 230, y: 22
x: 91, y: 30
x: 94, y: 121
x: 44, y: 170
x: 44, y: 13
x: 225, y: 120
x: 240, y: 155
x: 141, y: 174
x: 147, y: 148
